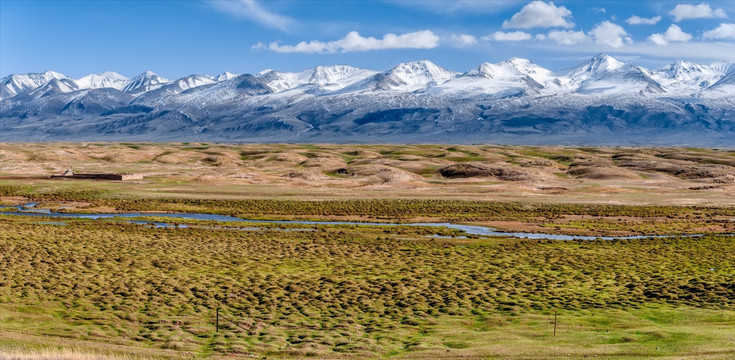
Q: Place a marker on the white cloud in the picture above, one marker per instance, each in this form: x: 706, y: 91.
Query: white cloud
x: 462, y: 40
x: 507, y: 36
x: 540, y: 37
x: 568, y: 37
x: 701, y: 51
x: 722, y: 32
x: 691, y: 50
x: 637, y: 20
x: 673, y: 34
x: 599, y: 10
x: 701, y: 11
x: 251, y: 10
x: 658, y: 39
x: 609, y: 34
x: 540, y: 14
x: 353, y: 42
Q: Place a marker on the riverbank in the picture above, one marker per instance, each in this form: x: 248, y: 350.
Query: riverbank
x: 590, y: 220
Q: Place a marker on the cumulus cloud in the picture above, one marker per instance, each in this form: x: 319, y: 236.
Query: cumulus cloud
x: 673, y: 34
x: 253, y: 11
x: 507, y: 36
x: 568, y: 37
x: 722, y: 32
x: 637, y: 20
x: 354, y: 42
x: 609, y: 34
x: 658, y: 39
x: 701, y: 11
x: 540, y: 14
x: 462, y: 40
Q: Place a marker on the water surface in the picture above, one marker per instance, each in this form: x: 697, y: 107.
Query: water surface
x: 29, y: 210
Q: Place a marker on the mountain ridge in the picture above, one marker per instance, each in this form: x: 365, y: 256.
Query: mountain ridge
x: 598, y: 66
x: 600, y: 100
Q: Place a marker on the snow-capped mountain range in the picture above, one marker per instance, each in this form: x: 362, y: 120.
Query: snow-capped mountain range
x: 601, y: 101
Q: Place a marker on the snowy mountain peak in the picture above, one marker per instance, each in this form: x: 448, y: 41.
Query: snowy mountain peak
x: 486, y: 70
x: 145, y: 82
x: 421, y: 67
x: 149, y: 76
x: 600, y: 64
x: 605, y: 60
x: 589, y: 75
x: 337, y: 76
x: 684, y: 76
x: 53, y: 75
x: 192, y: 81
x: 330, y: 74
x: 678, y: 68
x: 528, y: 68
x: 112, y: 74
x: 225, y: 76
x: 511, y: 69
x: 684, y: 64
x: 331, y: 78
x: 107, y: 79
x: 157, y: 92
x: 419, y: 74
x: 280, y: 81
x: 19, y: 83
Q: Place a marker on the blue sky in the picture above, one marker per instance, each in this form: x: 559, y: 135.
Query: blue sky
x: 178, y: 38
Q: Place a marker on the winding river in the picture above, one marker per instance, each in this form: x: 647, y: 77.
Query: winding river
x: 30, y: 210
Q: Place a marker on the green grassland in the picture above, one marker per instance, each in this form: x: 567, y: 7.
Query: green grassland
x: 351, y: 291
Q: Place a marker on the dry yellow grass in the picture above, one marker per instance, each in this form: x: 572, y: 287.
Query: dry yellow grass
x: 525, y: 173
x: 20, y: 353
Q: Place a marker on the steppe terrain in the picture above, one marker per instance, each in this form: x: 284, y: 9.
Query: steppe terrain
x: 78, y: 288
x: 641, y: 176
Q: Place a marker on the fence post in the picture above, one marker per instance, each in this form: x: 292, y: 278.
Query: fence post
x: 217, y: 320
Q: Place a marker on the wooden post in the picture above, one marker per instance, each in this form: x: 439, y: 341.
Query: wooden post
x: 554, y: 322
x: 217, y: 321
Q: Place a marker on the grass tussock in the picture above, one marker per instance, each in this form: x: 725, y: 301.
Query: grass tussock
x: 340, y: 291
